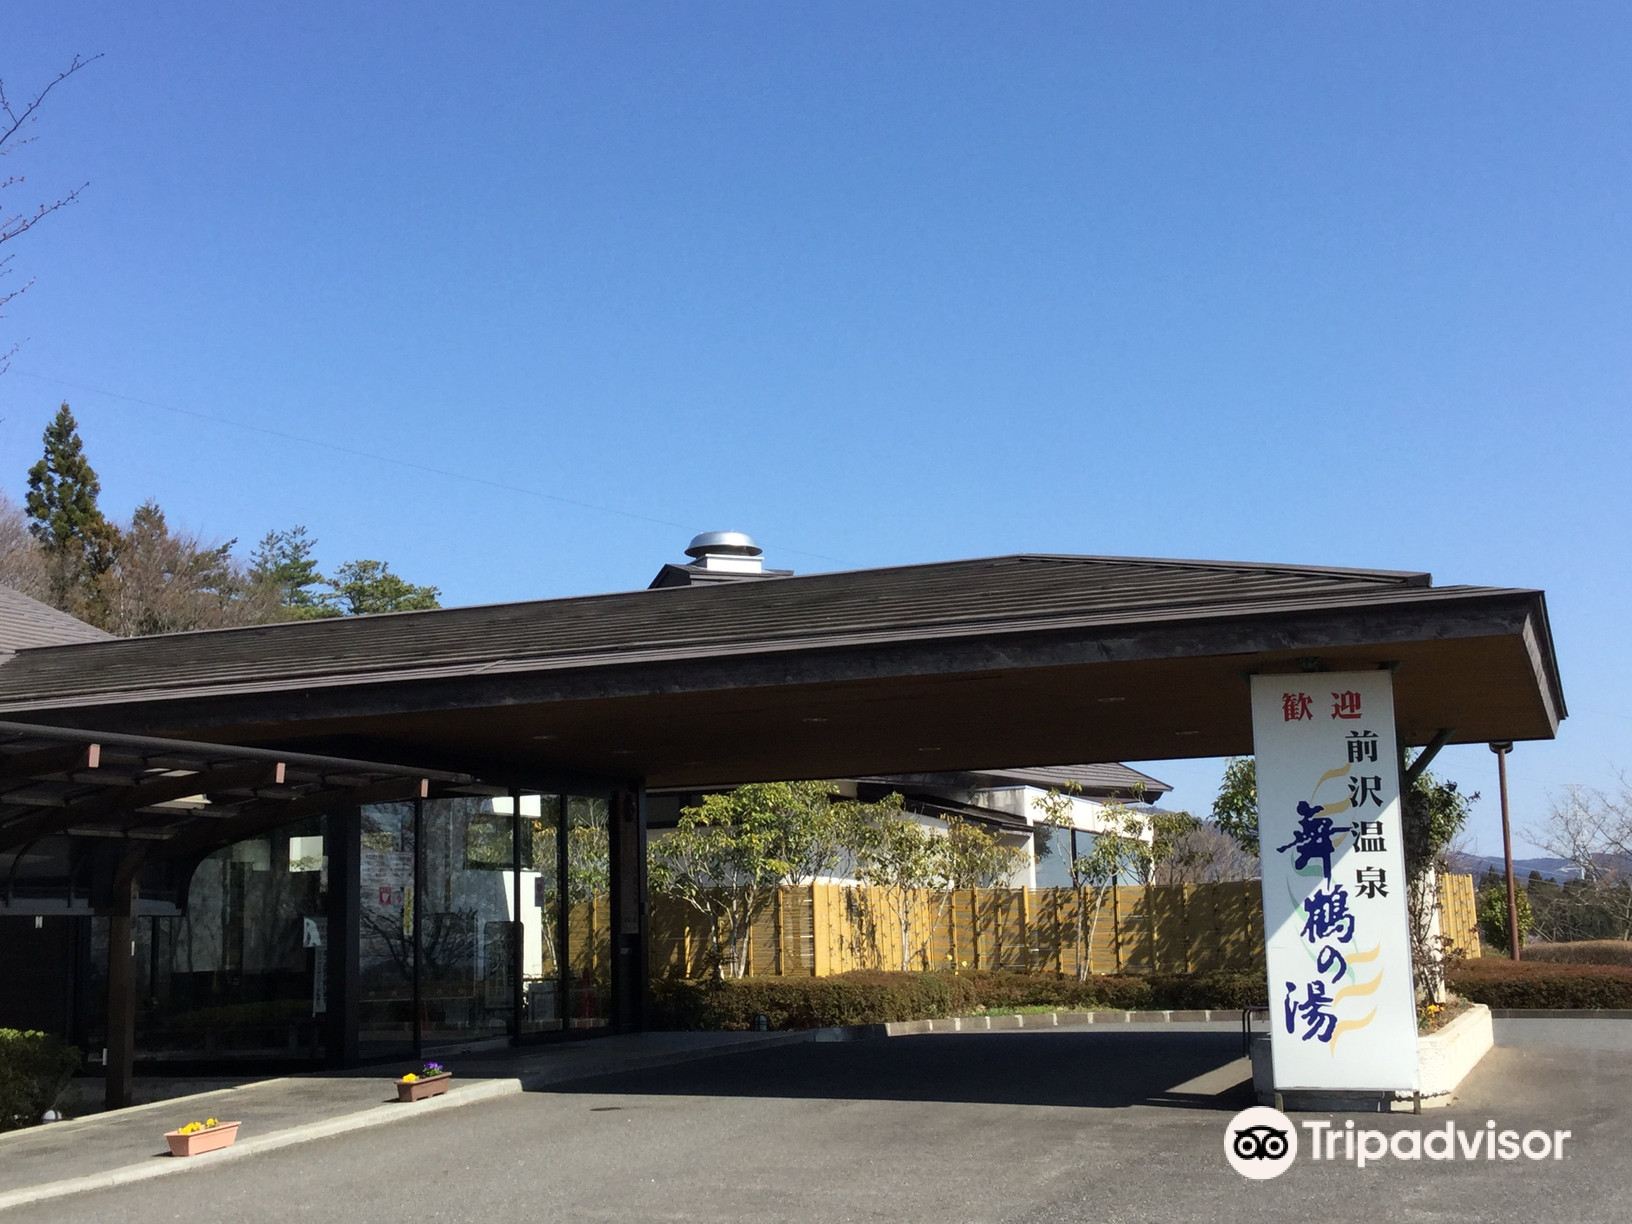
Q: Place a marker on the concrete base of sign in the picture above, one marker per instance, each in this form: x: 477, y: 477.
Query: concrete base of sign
x: 1443, y: 1061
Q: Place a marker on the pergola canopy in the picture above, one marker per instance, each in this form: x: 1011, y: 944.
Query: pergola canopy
x: 143, y: 802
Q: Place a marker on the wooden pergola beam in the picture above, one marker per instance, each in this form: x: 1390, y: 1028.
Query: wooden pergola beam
x: 149, y: 793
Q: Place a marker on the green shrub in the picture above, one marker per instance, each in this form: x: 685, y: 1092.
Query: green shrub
x: 794, y: 1003
x: 1499, y: 982
x: 876, y: 998
x: 1491, y: 907
x: 34, y: 1069
x: 1582, y: 952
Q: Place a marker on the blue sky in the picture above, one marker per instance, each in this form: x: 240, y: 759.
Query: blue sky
x: 557, y: 285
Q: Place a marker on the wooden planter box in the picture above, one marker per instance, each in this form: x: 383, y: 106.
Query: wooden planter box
x: 429, y: 1086
x: 218, y: 1136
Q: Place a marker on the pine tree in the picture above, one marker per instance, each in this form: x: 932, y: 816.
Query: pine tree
x: 65, y: 518
x: 361, y: 588
x: 283, y: 563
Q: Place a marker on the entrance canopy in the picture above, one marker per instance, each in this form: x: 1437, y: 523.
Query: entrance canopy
x: 964, y: 665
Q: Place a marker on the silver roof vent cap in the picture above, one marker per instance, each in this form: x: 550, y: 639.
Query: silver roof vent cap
x: 723, y: 543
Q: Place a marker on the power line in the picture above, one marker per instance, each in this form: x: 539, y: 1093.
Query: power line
x: 375, y: 456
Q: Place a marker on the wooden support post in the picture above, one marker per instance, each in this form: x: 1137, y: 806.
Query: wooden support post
x: 121, y: 1054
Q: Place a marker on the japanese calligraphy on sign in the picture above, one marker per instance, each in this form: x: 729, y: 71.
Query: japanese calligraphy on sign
x: 1343, y: 1012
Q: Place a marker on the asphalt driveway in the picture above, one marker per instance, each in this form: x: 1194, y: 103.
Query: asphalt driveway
x: 1123, y: 1125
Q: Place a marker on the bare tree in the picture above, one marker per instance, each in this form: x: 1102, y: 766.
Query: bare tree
x: 22, y: 563
x: 16, y: 117
x: 1206, y: 854
x: 1124, y: 845
x: 1592, y: 830
x: 164, y: 581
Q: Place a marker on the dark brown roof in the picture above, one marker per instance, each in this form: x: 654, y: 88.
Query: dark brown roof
x: 940, y: 806
x: 917, y: 603
x: 1094, y: 779
x: 26, y: 622
x: 1111, y: 778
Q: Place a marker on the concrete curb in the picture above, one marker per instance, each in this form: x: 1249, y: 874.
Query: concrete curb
x: 470, y: 1092
x: 130, y: 1110
x: 1032, y: 1021
x: 378, y: 1115
x: 1045, y: 1020
x: 1544, y: 1013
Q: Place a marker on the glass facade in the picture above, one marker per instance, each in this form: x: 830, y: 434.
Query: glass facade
x: 241, y: 974
x: 386, y: 956
x: 382, y: 932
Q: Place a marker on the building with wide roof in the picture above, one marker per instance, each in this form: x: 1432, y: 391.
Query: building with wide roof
x: 367, y: 836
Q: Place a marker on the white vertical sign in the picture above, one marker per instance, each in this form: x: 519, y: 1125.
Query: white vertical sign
x: 1342, y: 1005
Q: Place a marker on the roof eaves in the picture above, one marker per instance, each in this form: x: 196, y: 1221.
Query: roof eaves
x: 672, y: 651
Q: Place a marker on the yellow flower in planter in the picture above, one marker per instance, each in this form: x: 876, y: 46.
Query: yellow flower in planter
x: 192, y: 1128
x: 410, y: 1078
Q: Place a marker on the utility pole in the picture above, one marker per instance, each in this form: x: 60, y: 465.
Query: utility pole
x: 1501, y: 750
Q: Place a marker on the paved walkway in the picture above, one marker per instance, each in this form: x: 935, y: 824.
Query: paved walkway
x: 127, y: 1145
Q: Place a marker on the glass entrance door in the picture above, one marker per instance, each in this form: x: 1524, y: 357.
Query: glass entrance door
x: 543, y: 921
x: 589, y: 912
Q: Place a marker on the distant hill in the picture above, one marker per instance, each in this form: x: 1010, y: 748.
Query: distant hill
x: 1556, y: 869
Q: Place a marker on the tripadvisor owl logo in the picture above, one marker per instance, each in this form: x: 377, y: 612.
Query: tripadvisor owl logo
x: 1260, y: 1143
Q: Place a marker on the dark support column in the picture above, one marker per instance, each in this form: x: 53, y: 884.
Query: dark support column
x: 419, y: 927
x: 628, y: 911
x: 342, y: 842
x: 643, y: 959
x: 518, y: 932
x: 121, y: 1064
x: 563, y: 913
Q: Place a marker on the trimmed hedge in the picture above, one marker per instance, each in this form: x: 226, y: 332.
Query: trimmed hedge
x: 1582, y: 952
x: 877, y: 998
x: 34, y: 1069
x: 795, y: 1003
x: 1499, y: 982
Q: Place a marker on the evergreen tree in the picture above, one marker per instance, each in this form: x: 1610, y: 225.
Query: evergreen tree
x: 360, y: 588
x: 65, y: 518
x: 283, y: 563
